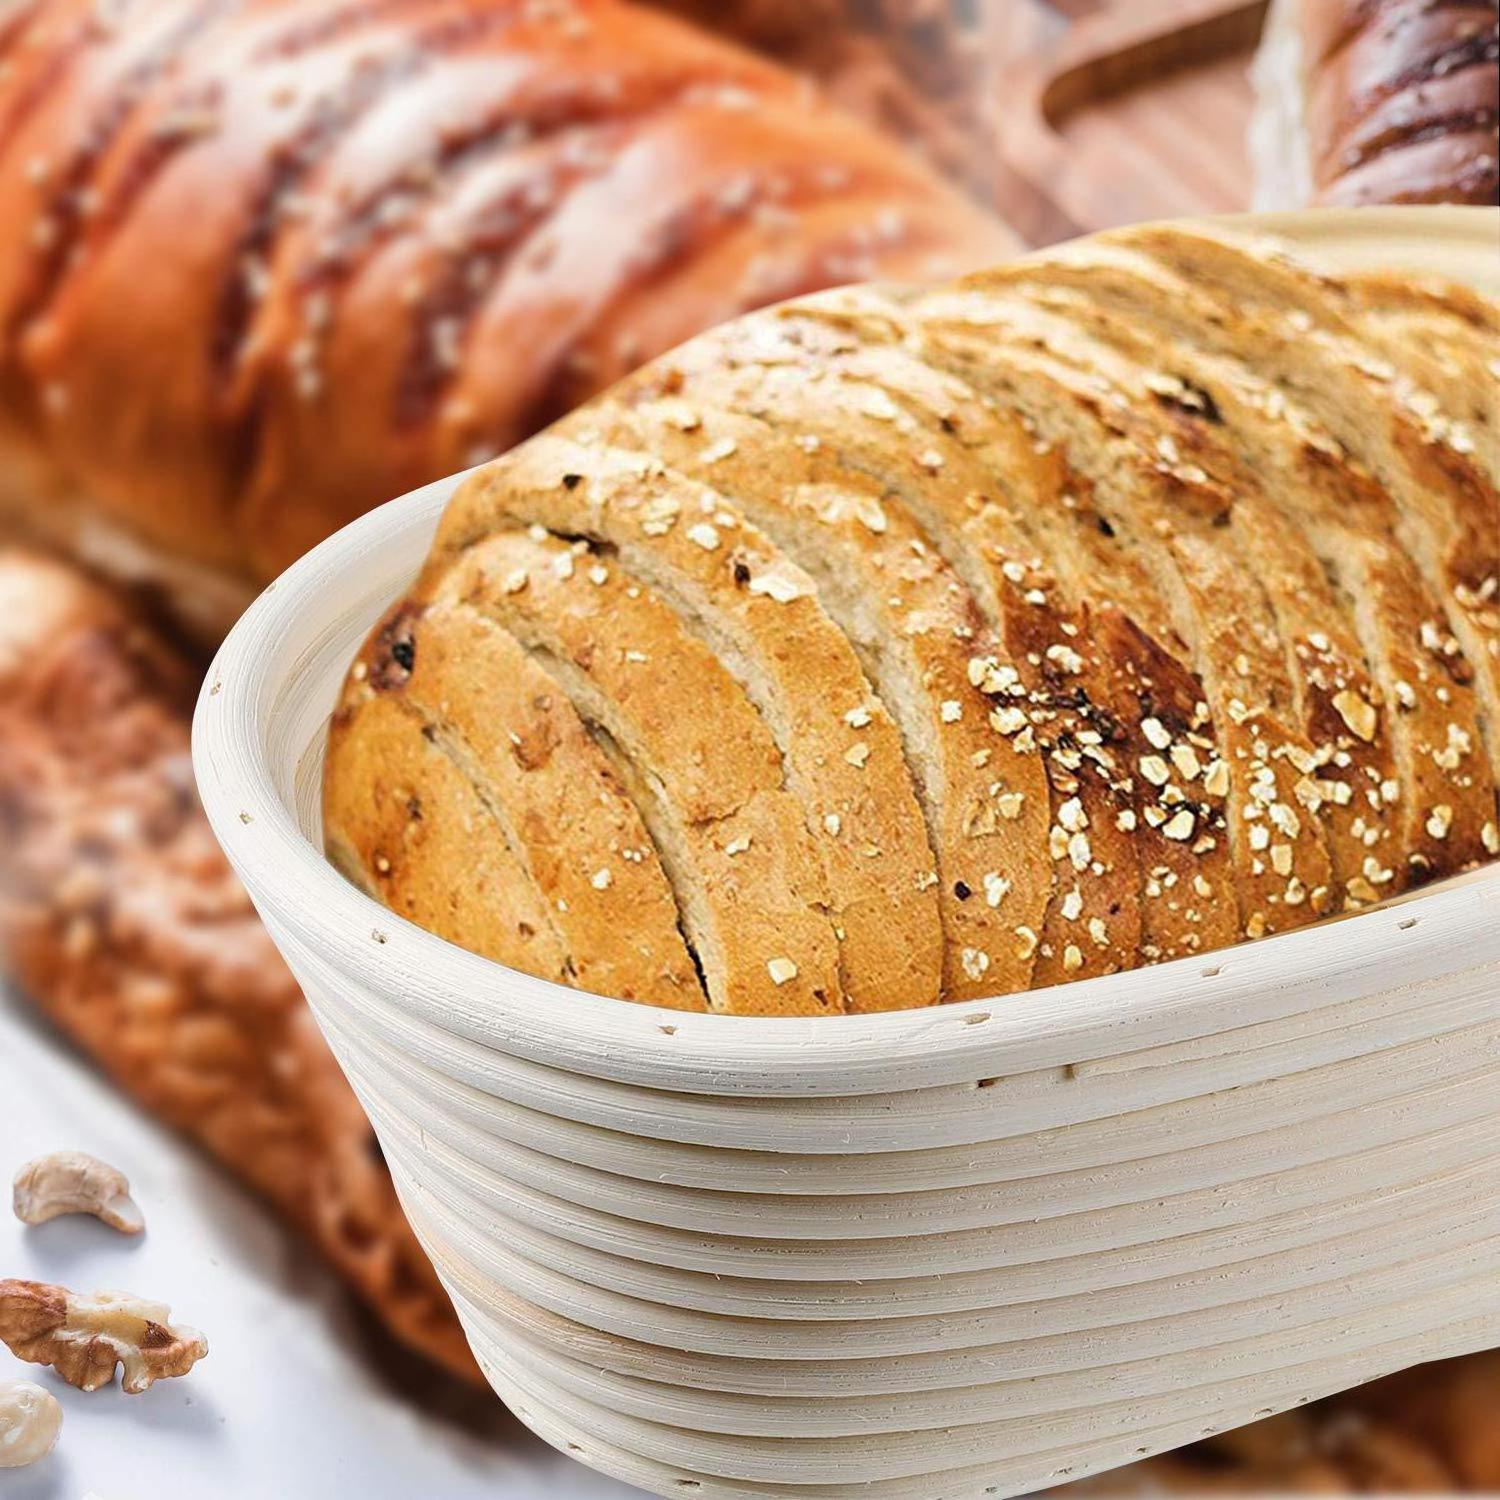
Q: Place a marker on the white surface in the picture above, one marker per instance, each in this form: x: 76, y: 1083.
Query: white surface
x: 288, y: 1405
x: 1217, y: 1256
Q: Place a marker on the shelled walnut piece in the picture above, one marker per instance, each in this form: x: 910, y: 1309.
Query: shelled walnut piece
x: 1152, y: 581
x: 83, y: 1338
x: 30, y: 1420
x: 73, y: 1182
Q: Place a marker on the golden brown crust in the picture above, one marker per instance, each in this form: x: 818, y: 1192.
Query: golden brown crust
x: 1401, y: 100
x: 1026, y: 785
x: 1160, y: 515
x: 801, y: 684
x: 385, y: 203
x: 1333, y: 695
x: 841, y: 754
x: 1180, y: 655
x: 487, y: 815
x: 987, y: 498
x: 1411, y: 555
x: 737, y: 846
x: 122, y: 921
x: 1021, y: 515
x: 918, y: 631
x: 1211, y: 770
x: 1446, y: 507
x: 1445, y: 336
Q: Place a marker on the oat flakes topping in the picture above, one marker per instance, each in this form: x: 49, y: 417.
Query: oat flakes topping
x: 1360, y: 717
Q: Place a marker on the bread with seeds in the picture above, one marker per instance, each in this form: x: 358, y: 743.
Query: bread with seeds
x: 1348, y: 757
x: 1394, y: 495
x: 829, y: 427
x: 1053, y: 622
x: 1448, y: 339
x: 267, y: 265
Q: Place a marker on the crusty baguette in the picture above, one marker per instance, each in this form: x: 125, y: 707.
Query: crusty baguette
x: 1378, y: 101
x: 1163, y: 537
x: 269, y: 264
x: 122, y: 921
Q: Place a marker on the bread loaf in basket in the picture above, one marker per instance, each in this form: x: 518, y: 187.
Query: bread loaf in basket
x: 891, y: 647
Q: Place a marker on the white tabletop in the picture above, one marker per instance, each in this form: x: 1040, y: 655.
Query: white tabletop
x: 292, y: 1401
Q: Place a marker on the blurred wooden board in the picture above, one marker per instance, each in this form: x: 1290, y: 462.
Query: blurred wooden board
x: 1128, y: 111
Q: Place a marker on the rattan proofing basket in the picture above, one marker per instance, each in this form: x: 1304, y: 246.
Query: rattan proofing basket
x: 939, y: 1253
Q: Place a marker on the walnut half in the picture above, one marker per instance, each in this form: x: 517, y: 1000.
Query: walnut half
x: 84, y: 1338
x: 72, y: 1182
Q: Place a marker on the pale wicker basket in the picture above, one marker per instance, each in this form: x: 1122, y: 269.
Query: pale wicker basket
x: 939, y: 1253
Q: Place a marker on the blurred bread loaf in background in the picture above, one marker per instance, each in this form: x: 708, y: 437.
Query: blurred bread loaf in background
x: 913, y: 68
x: 121, y: 918
x: 270, y: 264
x: 1378, y: 101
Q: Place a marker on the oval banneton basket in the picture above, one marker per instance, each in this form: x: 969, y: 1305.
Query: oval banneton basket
x: 939, y: 1253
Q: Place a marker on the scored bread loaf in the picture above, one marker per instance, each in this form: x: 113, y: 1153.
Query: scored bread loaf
x: 1102, y: 608
x: 268, y: 264
x: 1377, y: 101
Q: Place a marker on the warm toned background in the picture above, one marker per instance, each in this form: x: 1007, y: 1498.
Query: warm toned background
x: 1110, y: 112
x: 1069, y: 115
